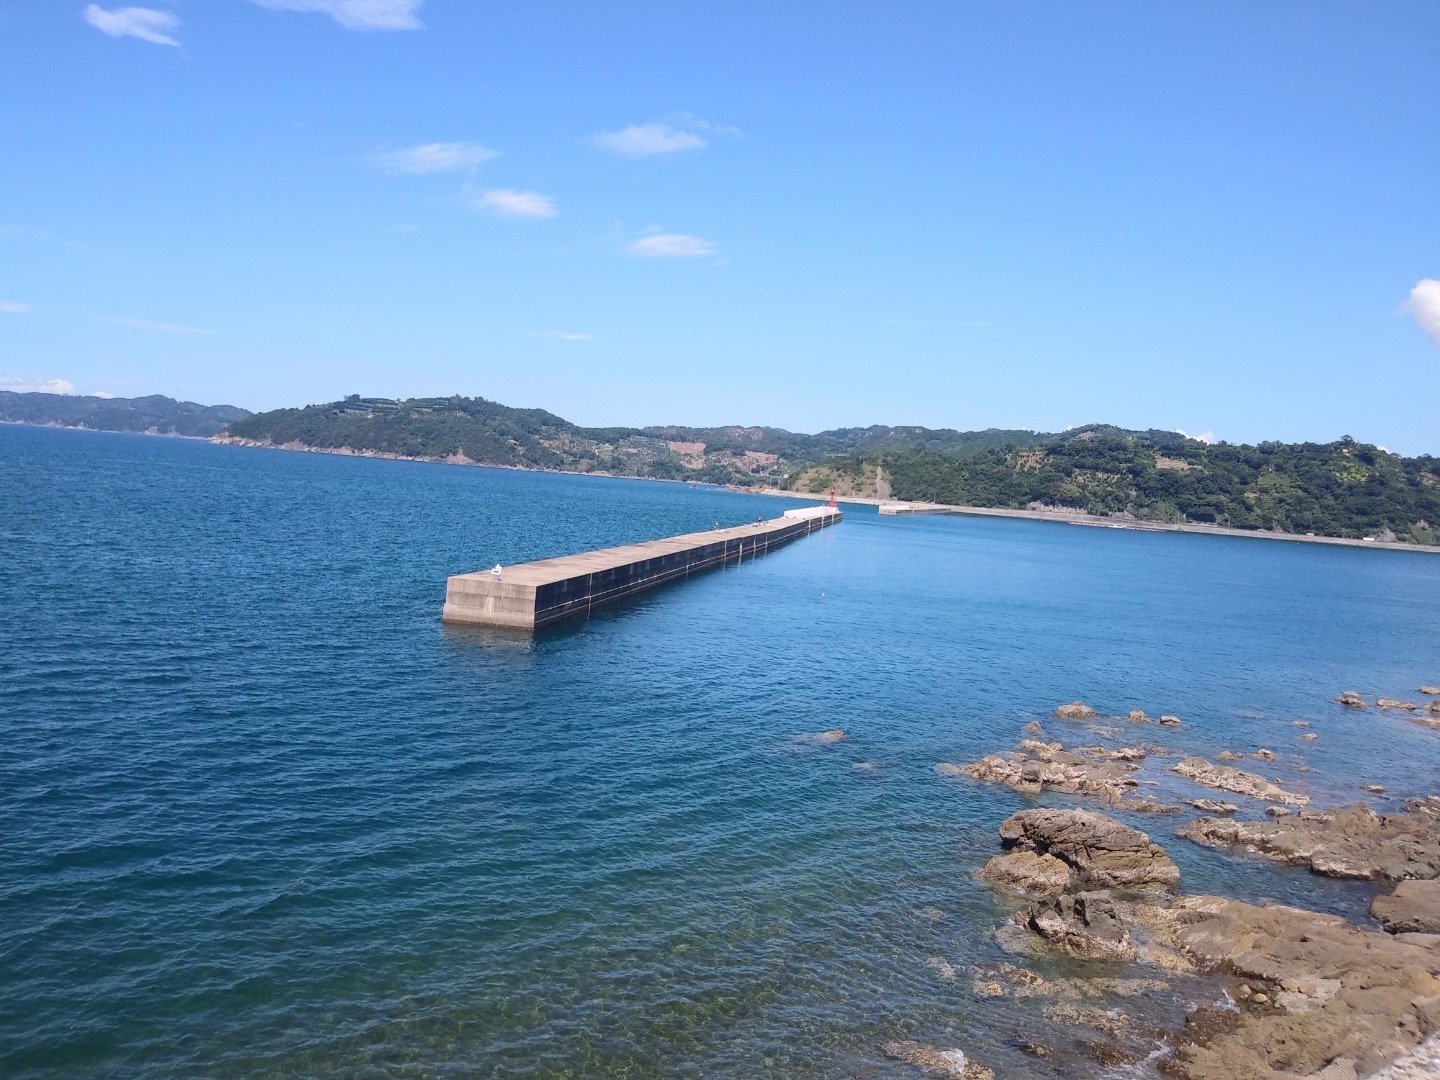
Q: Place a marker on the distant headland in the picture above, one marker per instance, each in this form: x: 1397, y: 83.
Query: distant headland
x: 1343, y: 488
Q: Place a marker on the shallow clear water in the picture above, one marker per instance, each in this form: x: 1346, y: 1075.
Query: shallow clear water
x: 261, y: 813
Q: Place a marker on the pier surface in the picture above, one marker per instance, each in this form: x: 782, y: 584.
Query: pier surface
x: 531, y: 595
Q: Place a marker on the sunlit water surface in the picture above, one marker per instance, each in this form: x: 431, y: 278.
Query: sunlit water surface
x: 261, y: 814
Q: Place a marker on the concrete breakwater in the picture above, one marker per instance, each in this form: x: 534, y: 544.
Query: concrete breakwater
x: 532, y: 595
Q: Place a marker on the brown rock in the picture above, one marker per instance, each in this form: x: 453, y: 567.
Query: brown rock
x: 1230, y: 755
x: 1433, y: 691
x: 1076, y: 710
x: 1170, y: 721
x: 1041, y: 766
x: 1211, y: 806
x: 1278, y: 811
x: 946, y: 1063
x: 1265, y: 755
x: 1392, y: 703
x: 1224, y: 778
x: 1374, y: 789
x: 1137, y: 716
x: 1351, y: 700
x: 1100, y: 851
x: 1413, y: 908
x: 1029, y: 873
x: 1086, y: 925
x: 1310, y: 736
x: 1033, y: 728
x: 1338, y: 992
x: 1351, y: 843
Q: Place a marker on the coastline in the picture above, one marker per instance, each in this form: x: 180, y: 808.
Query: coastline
x: 1132, y: 524
x: 1053, y: 516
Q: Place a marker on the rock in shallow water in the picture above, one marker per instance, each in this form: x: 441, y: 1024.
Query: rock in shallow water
x: 1029, y: 873
x: 1076, y: 710
x: 1086, y: 925
x: 1100, y: 851
x: 1225, y: 778
x: 1351, y: 843
x: 937, y: 1062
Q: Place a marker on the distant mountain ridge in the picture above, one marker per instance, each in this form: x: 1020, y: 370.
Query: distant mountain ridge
x: 1345, y: 488
x: 156, y: 413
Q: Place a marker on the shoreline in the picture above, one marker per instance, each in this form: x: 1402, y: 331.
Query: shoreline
x: 1062, y: 517
x: 938, y: 509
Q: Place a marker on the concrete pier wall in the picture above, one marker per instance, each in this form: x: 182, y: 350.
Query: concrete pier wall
x: 532, y: 595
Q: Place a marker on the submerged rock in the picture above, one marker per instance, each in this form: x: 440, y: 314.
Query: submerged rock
x: 1086, y: 925
x: 1100, y: 852
x: 1413, y: 908
x: 1076, y: 710
x: 937, y: 1062
x: 1225, y: 778
x: 1351, y: 843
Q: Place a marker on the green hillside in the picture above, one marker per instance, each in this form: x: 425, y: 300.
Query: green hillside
x: 156, y: 413
x: 1343, y: 488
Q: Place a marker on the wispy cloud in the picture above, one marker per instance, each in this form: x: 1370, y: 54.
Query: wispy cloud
x: 434, y: 157
x: 36, y: 386
x: 146, y: 324
x: 11, y: 307
x: 147, y: 24
x: 503, y: 202
x: 1424, y: 307
x: 646, y: 140
x: 563, y: 335
x: 357, y: 14
x: 671, y: 246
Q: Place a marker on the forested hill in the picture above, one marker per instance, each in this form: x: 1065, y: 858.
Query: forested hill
x: 473, y: 429
x: 156, y: 413
x: 1343, y: 488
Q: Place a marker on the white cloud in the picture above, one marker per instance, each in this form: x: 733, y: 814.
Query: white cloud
x: 434, y: 157
x: 146, y: 324
x: 645, y: 140
x: 102, y: 394
x: 563, y: 335
x: 147, y: 24
x: 506, y: 203
x: 10, y: 307
x: 357, y: 14
x: 1424, y: 307
x: 671, y: 246
x: 1206, y: 437
x: 41, y: 386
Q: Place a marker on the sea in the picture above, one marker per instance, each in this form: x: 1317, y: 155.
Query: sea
x: 261, y: 814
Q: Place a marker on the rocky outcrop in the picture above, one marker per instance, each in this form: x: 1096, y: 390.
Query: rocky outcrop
x: 1086, y: 925
x: 1351, y: 843
x: 1211, y: 806
x: 1317, y: 991
x: 1433, y: 691
x: 1413, y: 908
x: 1036, y: 766
x: 1351, y: 700
x: 1395, y: 704
x: 1100, y: 852
x: 1076, y: 710
x: 1170, y: 721
x: 1225, y: 778
x: 1028, y: 872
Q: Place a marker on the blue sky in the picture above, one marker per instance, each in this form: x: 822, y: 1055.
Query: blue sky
x: 1218, y: 217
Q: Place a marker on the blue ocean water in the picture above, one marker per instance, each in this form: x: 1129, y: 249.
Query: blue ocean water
x: 261, y: 814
